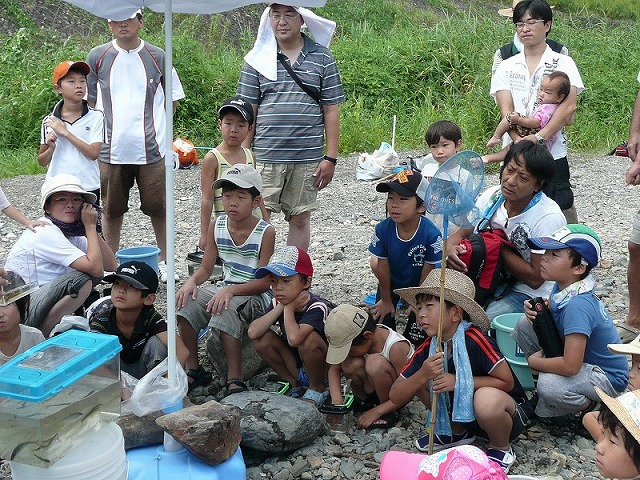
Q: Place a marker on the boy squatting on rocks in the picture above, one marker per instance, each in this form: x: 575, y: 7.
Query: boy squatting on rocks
x: 290, y: 336
x: 566, y: 384
x: 130, y: 315
x: 371, y: 356
x: 485, y: 396
x: 244, y: 243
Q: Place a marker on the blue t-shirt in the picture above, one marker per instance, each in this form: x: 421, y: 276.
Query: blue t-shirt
x: 484, y: 356
x: 585, y: 314
x: 315, y: 315
x: 406, y: 257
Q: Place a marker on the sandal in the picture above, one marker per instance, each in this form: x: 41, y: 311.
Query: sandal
x: 296, y: 392
x: 200, y: 377
x: 626, y: 332
x: 240, y: 386
x: 315, y: 398
x: 360, y: 405
x: 387, y: 420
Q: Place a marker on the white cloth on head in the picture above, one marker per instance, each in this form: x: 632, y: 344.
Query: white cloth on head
x: 263, y: 55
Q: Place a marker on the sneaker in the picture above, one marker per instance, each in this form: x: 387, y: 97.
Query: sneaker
x: 502, y: 458
x: 440, y: 442
x: 162, y: 272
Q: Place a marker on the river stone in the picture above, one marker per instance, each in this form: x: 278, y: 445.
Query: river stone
x: 274, y: 423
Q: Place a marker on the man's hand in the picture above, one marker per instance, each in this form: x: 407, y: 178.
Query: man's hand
x: 323, y: 174
x: 382, y: 309
x: 633, y: 173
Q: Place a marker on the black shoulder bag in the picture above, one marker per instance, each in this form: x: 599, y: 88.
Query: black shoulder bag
x: 312, y: 92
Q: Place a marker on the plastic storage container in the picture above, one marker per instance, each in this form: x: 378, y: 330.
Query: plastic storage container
x: 21, y: 284
x: 146, y: 254
x: 503, y: 325
x: 100, y: 457
x: 154, y: 463
x: 56, y: 394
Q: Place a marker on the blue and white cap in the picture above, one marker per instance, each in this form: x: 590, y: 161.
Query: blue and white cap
x: 580, y: 238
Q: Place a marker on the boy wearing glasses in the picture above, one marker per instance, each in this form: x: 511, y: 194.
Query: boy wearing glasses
x: 515, y: 89
x: 294, y: 86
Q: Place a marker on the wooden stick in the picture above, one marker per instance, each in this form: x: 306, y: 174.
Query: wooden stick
x: 393, y: 134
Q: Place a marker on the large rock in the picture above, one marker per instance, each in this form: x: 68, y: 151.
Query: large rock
x: 143, y: 431
x: 252, y: 363
x: 210, y: 431
x: 274, y: 423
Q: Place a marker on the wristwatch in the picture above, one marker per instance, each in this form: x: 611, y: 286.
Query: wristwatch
x: 540, y: 138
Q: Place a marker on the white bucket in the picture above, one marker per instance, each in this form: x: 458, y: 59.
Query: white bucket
x: 100, y: 457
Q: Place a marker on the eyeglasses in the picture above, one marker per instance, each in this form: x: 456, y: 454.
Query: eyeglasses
x: 66, y: 200
x: 287, y: 17
x: 529, y: 23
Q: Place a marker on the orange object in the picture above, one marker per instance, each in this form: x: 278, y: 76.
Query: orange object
x: 187, y: 153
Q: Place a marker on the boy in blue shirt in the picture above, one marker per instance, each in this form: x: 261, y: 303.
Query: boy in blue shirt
x: 566, y: 384
x: 404, y: 249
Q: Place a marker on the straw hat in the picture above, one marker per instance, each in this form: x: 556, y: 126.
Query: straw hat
x: 631, y: 348
x: 458, y: 289
x: 508, y: 12
x: 626, y: 408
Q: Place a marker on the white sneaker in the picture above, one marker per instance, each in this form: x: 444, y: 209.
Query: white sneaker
x: 162, y: 272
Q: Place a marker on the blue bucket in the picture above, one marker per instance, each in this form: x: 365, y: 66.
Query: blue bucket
x: 146, y: 254
x: 503, y: 325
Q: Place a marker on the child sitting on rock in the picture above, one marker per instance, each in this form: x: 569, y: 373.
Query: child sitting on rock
x: 290, y: 337
x: 566, y: 384
x: 371, y: 356
x: 484, y: 396
x: 15, y: 337
x: 618, y: 446
x: 130, y: 315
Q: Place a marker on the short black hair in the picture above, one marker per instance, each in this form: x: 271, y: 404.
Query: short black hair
x: 232, y: 187
x: 539, y: 9
x: 536, y: 157
x: 369, y: 326
x: 564, y: 87
x: 443, y: 128
x: 609, y: 421
x: 576, y: 259
x: 425, y: 297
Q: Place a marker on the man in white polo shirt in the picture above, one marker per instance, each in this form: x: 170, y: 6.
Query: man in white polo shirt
x: 126, y: 83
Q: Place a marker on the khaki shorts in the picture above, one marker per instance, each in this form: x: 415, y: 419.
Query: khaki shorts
x: 233, y: 320
x: 117, y: 180
x: 635, y: 230
x: 288, y: 187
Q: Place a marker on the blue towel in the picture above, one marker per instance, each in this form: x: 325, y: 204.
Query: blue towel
x: 463, y: 390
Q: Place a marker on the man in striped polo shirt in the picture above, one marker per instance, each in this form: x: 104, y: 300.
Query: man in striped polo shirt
x: 126, y: 82
x: 292, y: 121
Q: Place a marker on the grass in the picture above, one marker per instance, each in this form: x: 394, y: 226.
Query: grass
x: 421, y: 64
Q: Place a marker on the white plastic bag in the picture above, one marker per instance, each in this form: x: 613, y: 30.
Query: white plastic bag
x: 367, y: 168
x: 386, y: 157
x: 154, y: 392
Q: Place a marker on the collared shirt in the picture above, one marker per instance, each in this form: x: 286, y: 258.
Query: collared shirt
x: 290, y: 124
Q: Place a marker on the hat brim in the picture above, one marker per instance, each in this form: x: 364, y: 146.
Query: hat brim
x: 86, y: 196
x: 238, y: 183
x: 275, y: 269
x: 396, y: 187
x: 476, y: 313
x: 130, y: 280
x: 546, y: 243
x: 620, y: 412
x: 336, y: 355
x: 632, y: 348
x: 506, y: 12
x: 243, y: 113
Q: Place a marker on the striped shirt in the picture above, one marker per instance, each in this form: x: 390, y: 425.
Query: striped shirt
x: 239, y: 262
x: 290, y: 124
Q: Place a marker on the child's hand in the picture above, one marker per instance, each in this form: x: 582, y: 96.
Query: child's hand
x: 382, y: 309
x: 445, y: 382
x: 50, y: 139
x: 189, y: 289
x: 433, y: 366
x: 300, y: 303
x: 494, y: 141
x: 220, y: 301
x: 57, y: 125
x: 31, y: 225
x: 529, y: 312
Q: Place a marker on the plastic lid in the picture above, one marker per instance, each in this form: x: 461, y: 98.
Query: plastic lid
x: 49, y: 367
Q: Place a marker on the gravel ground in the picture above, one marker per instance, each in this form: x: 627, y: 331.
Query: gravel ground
x: 341, y: 231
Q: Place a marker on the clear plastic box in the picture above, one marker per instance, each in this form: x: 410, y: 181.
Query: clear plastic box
x: 19, y: 271
x: 53, y: 396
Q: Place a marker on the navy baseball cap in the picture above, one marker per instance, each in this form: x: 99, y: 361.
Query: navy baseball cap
x: 139, y: 275
x: 579, y: 238
x: 407, y: 183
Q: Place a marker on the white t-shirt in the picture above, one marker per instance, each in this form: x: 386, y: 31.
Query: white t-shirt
x: 4, y: 201
x: 513, y: 75
x: 542, y: 219
x: 638, y: 77
x: 90, y: 128
x: 29, y: 337
x: 53, y: 253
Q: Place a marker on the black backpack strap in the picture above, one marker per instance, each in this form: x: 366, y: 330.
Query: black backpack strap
x: 555, y: 46
x: 312, y: 92
x: 508, y: 50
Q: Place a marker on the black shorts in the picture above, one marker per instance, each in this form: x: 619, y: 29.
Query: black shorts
x: 521, y: 417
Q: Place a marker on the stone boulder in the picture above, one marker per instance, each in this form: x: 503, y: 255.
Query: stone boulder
x: 273, y: 423
x: 252, y: 363
x: 210, y: 431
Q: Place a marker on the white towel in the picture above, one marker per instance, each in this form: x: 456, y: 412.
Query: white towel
x: 263, y: 55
